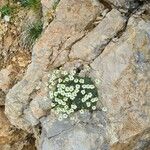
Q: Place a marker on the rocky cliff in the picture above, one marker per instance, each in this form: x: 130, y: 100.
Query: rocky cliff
x: 107, y: 40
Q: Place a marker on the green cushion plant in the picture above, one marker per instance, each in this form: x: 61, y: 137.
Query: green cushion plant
x: 70, y: 93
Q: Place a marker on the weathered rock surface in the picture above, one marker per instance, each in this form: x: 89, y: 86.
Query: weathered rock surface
x: 4, y: 83
x: 12, y: 138
x: 95, y: 41
x: 83, y: 135
x: 117, y: 50
x: 124, y: 4
x: 46, y: 51
x: 123, y: 69
x: 139, y: 141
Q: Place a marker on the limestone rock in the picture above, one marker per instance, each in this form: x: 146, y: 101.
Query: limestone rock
x: 139, y: 141
x: 95, y: 41
x: 3, y: 2
x: 123, y: 69
x: 115, y: 50
x: 4, y: 83
x: 80, y: 136
x: 11, y: 138
x: 46, y: 51
x: 5, y: 79
x: 124, y: 4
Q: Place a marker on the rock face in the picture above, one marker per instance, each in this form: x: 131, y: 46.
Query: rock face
x: 112, y: 39
x: 95, y: 41
x: 45, y: 52
x: 11, y: 138
x: 124, y: 4
x: 121, y: 68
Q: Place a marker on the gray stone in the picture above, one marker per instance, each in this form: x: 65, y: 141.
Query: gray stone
x: 123, y: 69
x: 124, y: 4
x: 53, y: 127
x: 95, y: 41
x: 116, y: 53
x: 77, y: 138
x: 46, y: 51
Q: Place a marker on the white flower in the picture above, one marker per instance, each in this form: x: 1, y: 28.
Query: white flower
x: 81, y: 80
x: 90, y: 94
x: 65, y: 116
x: 83, y: 100
x: 67, y: 94
x: 83, y: 92
x: 56, y: 71
x: 63, y: 86
x: 55, y: 94
x: 97, y: 81
x: 63, y: 93
x: 87, y: 68
x: 64, y: 72
x: 72, y: 97
x: 73, y: 72
x: 76, y: 91
x: 65, y: 99
x: 63, y: 110
x: 59, y: 101
x: 67, y: 89
x: 74, y: 94
x: 58, y: 85
x: 49, y: 75
x: 59, y: 90
x: 93, y: 100
x: 71, y: 88
x: 92, y: 86
x: 84, y: 86
x: 72, y: 118
x: 77, y: 86
x: 87, y: 86
x: 86, y: 96
x: 52, y: 83
x: 50, y: 87
x: 96, y: 99
x: 68, y: 112
x: 60, y: 80
x: 51, y: 95
x: 6, y: 18
x: 66, y: 107
x: 93, y: 107
x: 53, y: 104
x: 74, y: 106
x: 63, y: 103
x: 71, y: 77
x: 58, y: 111
x: 50, y: 80
x: 104, y: 109
x: 81, y: 111
x: 67, y: 79
x: 53, y: 77
x: 60, y: 118
x: 88, y: 104
x: 76, y: 80
x: 71, y: 110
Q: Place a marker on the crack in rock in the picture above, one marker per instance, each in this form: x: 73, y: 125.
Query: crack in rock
x: 95, y: 41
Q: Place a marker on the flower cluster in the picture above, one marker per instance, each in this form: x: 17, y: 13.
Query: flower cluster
x: 70, y: 93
